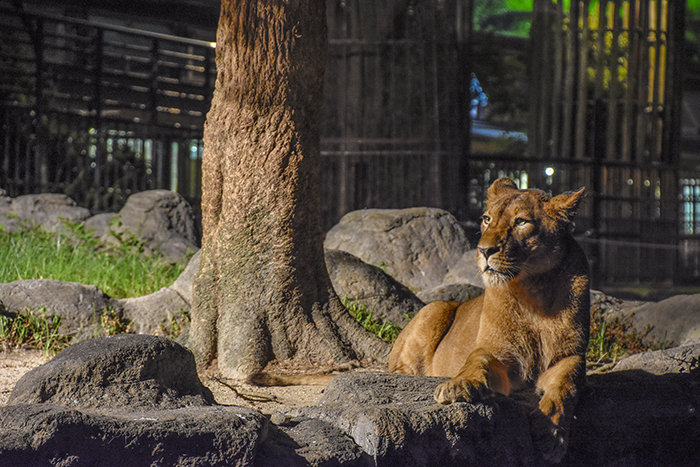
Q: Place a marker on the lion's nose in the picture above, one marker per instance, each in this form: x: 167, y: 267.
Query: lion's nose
x: 488, y: 251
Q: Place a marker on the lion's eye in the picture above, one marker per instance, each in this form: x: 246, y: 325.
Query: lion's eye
x: 521, y: 222
x: 485, y: 219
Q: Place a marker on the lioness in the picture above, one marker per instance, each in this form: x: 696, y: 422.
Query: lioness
x: 530, y: 327
x: 529, y: 330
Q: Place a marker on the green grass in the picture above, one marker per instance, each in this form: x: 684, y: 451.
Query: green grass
x: 74, y: 255
x: 33, y: 329
x: 120, y: 270
x: 374, y: 324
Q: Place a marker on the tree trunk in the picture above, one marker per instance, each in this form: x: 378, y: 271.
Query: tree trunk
x: 262, y: 292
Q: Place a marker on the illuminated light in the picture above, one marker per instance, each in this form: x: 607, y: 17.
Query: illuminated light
x: 549, y: 171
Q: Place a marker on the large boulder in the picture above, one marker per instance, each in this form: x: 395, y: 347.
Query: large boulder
x: 355, y: 280
x: 465, y: 271
x: 684, y: 359
x: 52, y: 435
x: 47, y: 210
x: 451, y: 293
x: 416, y: 246
x: 127, y: 370
x: 675, y: 320
x: 163, y: 220
x: 76, y: 304
x: 396, y: 421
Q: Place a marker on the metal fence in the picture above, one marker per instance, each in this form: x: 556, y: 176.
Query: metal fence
x: 83, y: 102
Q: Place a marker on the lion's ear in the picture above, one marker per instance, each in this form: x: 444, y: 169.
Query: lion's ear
x: 565, y: 205
x: 499, y: 188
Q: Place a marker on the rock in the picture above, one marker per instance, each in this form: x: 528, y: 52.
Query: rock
x: 396, y: 421
x: 77, y: 305
x: 46, y: 210
x: 451, y: 292
x: 674, y: 320
x: 310, y: 442
x: 465, y: 271
x: 358, y: 281
x: 683, y: 359
x: 633, y: 418
x: 45, y: 434
x: 163, y: 220
x: 183, y: 284
x: 100, y: 223
x: 147, y: 314
x: 417, y: 246
x: 126, y: 370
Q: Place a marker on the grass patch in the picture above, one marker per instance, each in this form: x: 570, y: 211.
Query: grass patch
x: 615, y: 338
x: 374, y: 324
x: 73, y: 254
x: 33, y: 330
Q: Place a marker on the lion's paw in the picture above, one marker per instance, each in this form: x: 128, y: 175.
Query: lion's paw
x: 460, y: 390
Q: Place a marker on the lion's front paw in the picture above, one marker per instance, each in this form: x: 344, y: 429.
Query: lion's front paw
x: 552, y: 407
x: 460, y: 389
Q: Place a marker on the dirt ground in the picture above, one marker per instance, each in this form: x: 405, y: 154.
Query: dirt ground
x: 16, y: 362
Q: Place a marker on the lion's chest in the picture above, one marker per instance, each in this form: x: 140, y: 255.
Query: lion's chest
x: 520, y: 332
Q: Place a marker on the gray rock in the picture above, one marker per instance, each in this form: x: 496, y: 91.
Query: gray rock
x: 310, y: 442
x: 100, y: 223
x: 451, y: 292
x: 674, y: 320
x: 77, y: 305
x: 683, y: 359
x: 465, y: 271
x: 417, y: 245
x: 45, y: 434
x: 358, y: 281
x: 46, y: 210
x: 633, y: 418
x: 163, y: 220
x: 126, y: 370
x: 148, y: 313
x: 396, y: 421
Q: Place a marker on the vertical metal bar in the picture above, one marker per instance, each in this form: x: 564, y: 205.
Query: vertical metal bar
x: 644, y: 81
x: 570, y: 39
x: 556, y: 28
x: 613, y: 137
x: 582, y: 89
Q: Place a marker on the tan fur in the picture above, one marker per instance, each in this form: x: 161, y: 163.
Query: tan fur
x: 270, y: 379
x: 530, y: 327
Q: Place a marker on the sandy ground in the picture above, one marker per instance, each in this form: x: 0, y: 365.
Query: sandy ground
x: 16, y: 362
x: 13, y: 365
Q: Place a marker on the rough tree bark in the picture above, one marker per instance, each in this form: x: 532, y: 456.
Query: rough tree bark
x: 262, y: 292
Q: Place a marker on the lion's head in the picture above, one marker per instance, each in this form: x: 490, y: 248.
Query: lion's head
x: 523, y: 231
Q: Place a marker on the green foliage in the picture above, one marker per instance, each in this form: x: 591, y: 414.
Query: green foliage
x: 74, y: 255
x: 508, y: 17
x: 374, y: 324
x: 34, y: 330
